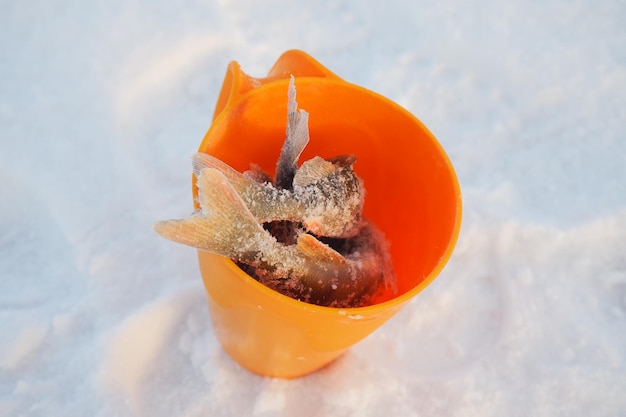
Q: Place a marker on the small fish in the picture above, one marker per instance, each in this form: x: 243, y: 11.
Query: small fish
x: 310, y: 270
x: 301, y: 234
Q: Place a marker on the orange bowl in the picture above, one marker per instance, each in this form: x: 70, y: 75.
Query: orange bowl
x: 412, y: 195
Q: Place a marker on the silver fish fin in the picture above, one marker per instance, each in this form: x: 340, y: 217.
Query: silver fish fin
x: 292, y: 104
x: 318, y: 251
x: 295, y: 142
x: 224, y: 224
x: 202, y: 161
x: 245, y: 185
x: 312, y: 171
x: 262, y: 199
x: 220, y: 202
x: 195, y: 231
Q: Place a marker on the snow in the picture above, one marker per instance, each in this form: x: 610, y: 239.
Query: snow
x: 102, y: 105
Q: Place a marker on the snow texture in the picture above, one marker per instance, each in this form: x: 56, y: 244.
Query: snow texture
x: 102, y: 105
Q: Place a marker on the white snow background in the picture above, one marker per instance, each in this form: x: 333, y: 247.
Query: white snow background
x: 102, y: 105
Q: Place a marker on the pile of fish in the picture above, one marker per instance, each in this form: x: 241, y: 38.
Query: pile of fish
x: 301, y: 234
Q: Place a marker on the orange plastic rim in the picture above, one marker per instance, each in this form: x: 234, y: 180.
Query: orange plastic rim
x: 412, y: 195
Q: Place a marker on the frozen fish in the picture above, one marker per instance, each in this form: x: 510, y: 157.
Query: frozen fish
x: 301, y: 233
x: 309, y: 270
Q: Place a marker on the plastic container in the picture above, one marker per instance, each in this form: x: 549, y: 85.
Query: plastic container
x: 412, y: 195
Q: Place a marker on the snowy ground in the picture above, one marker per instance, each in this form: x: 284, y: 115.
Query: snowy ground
x: 103, y: 103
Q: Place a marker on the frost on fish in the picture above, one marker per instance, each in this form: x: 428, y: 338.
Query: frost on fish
x: 301, y: 234
x: 327, y: 198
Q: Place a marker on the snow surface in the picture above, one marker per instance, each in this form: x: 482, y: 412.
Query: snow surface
x: 102, y: 105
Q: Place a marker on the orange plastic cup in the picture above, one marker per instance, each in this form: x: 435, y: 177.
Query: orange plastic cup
x: 412, y: 195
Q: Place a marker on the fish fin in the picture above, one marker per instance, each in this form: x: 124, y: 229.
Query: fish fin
x: 292, y: 104
x: 195, y: 231
x: 317, y: 250
x: 224, y: 225
x: 256, y: 195
x: 295, y: 142
x: 343, y: 161
x: 202, y: 161
x: 261, y: 199
x: 257, y: 174
x: 312, y: 171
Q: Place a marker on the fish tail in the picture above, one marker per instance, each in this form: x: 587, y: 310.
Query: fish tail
x: 240, y: 182
x: 265, y: 202
x: 223, y: 225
